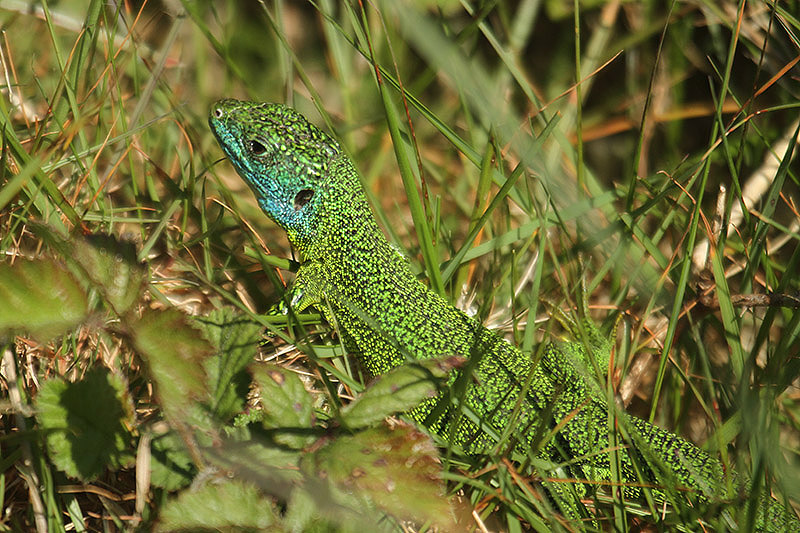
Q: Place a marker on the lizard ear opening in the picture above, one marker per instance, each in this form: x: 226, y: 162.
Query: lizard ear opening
x: 302, y: 198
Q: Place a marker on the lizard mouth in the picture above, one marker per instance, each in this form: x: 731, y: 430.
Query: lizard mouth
x: 218, y: 121
x: 227, y: 130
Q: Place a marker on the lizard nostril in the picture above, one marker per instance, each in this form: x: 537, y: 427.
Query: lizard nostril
x: 218, y: 112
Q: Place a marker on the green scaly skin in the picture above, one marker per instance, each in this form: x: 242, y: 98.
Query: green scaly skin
x: 303, y: 181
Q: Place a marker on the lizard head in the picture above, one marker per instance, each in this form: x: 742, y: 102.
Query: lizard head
x: 282, y: 157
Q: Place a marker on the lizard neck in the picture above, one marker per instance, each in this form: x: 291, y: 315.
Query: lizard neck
x: 344, y: 217
x: 386, y: 314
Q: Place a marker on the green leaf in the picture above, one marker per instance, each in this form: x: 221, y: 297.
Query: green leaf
x: 302, y: 511
x: 174, y: 352
x: 112, y: 266
x: 85, y: 423
x: 400, y: 390
x: 40, y: 297
x: 319, y: 506
x: 227, y: 506
x: 396, y: 468
x: 171, y: 467
x: 287, y: 406
x: 236, y: 338
x: 273, y: 468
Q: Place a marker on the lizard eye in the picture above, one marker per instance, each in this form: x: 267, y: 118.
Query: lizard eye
x: 302, y: 198
x: 256, y: 148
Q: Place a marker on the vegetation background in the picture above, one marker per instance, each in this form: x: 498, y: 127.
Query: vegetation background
x: 653, y: 147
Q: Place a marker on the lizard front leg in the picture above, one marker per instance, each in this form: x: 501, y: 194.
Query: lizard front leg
x: 309, y: 288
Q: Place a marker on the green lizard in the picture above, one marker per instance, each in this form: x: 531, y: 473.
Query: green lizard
x: 305, y: 182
